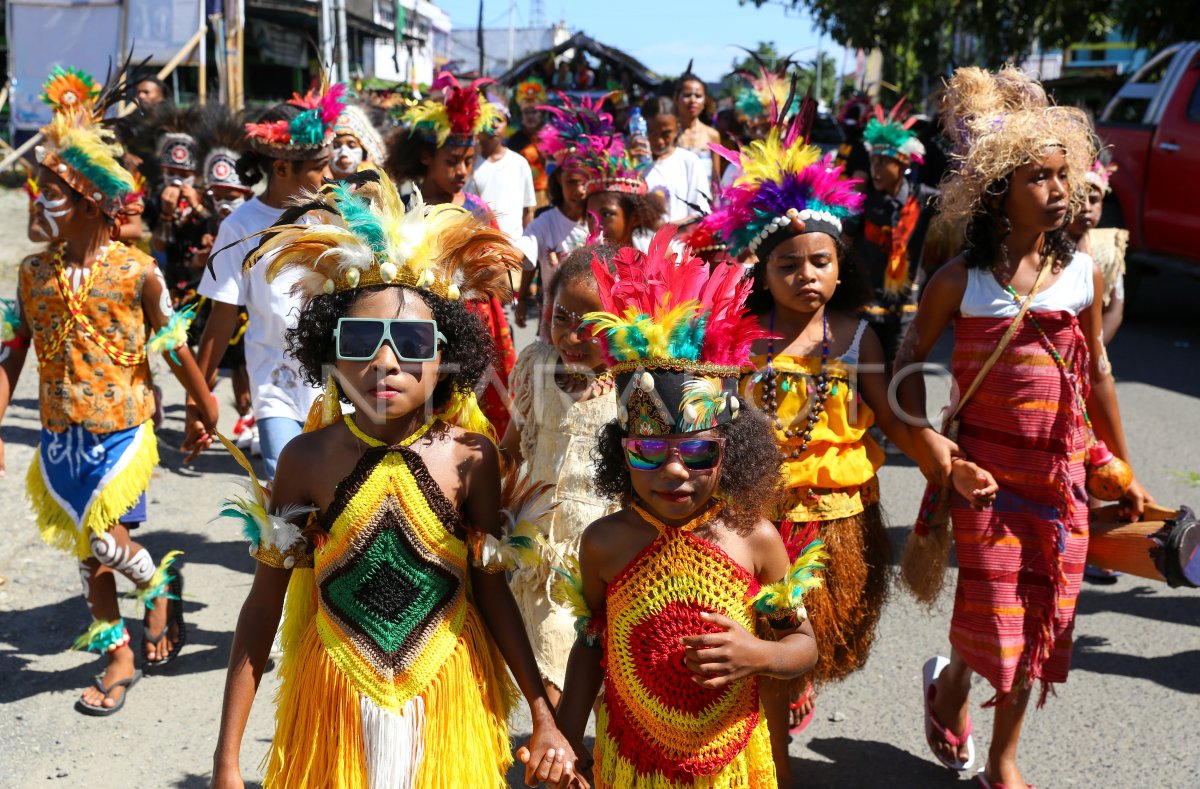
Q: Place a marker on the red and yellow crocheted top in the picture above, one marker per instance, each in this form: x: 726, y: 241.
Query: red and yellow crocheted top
x: 657, y: 727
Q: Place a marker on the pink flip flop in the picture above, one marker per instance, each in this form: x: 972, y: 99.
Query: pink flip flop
x: 982, y: 780
x: 797, y: 704
x: 929, y: 674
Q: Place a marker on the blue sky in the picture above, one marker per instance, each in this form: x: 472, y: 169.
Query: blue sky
x: 657, y: 33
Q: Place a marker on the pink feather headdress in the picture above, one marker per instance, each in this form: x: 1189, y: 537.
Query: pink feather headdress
x: 676, y: 333
x: 567, y: 126
x: 462, y: 113
x: 307, y: 134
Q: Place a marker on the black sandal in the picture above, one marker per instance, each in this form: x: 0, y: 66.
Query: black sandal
x: 174, y: 617
x: 102, y: 711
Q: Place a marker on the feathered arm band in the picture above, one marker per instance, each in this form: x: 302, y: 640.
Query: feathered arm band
x: 567, y: 590
x: 782, y: 603
x: 526, y: 507
x: 170, y: 337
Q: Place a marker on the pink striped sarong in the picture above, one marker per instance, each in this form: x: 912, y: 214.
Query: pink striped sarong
x: 1021, y: 561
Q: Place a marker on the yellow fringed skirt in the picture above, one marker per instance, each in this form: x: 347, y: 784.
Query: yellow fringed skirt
x: 455, y: 734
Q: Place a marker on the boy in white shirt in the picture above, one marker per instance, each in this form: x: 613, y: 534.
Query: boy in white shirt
x: 678, y: 175
x: 503, y: 178
x: 281, y: 397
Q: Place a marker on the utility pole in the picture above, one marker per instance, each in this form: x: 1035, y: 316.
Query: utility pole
x: 343, y: 45
x: 512, y: 30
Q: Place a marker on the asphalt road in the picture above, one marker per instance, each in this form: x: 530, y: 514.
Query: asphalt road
x: 1126, y: 717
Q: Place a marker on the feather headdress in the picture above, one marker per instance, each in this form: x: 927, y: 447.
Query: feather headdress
x: 78, y: 147
x: 768, y: 94
x: 222, y: 139
x: 786, y: 186
x: 306, y: 135
x: 1100, y: 175
x: 999, y: 122
x: 357, y: 233
x: 459, y: 117
x: 569, y: 125
x: 676, y: 334
x: 892, y: 135
x: 608, y: 167
x: 354, y: 121
x: 531, y: 93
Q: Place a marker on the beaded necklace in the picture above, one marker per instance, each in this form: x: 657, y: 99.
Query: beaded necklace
x: 597, y: 383
x: 75, y: 300
x: 817, y: 395
x: 690, y: 526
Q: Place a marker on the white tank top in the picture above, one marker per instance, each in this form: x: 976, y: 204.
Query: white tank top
x: 1072, y: 292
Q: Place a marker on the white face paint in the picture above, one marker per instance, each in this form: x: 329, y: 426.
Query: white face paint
x: 164, y: 303
x: 346, y: 159
x: 52, y: 211
x: 176, y: 180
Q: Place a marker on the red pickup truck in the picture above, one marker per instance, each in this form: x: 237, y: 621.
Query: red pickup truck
x: 1153, y: 126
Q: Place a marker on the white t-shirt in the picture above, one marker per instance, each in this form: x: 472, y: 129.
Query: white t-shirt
x: 681, y: 179
x: 1072, y: 292
x: 276, y: 384
x: 506, y: 185
x: 556, y: 233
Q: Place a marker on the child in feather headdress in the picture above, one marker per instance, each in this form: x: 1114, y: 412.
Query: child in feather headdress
x: 290, y: 146
x: 86, y: 305
x: 384, y: 527
x: 684, y: 596
x: 435, y: 154
x: 818, y: 375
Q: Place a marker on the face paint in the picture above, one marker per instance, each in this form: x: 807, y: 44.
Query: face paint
x: 223, y: 207
x: 346, y: 159
x: 52, y: 211
x: 176, y: 180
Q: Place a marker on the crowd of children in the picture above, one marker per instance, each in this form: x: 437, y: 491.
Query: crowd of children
x: 665, y: 511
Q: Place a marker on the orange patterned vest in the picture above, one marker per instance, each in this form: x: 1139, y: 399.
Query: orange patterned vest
x: 79, y: 382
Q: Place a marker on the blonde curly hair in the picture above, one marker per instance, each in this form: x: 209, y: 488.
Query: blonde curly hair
x: 999, y: 122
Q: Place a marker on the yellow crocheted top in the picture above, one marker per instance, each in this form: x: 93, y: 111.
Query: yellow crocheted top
x: 658, y: 728
x: 835, y: 477
x: 387, y: 665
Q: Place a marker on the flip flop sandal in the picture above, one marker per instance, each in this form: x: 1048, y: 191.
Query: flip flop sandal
x: 982, y: 780
x: 102, y: 711
x: 174, y: 617
x: 798, y: 704
x: 929, y: 673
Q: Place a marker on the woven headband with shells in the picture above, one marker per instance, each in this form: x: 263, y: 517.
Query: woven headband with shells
x: 357, y: 233
x: 999, y: 122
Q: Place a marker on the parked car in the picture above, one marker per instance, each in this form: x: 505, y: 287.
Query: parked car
x: 1153, y: 127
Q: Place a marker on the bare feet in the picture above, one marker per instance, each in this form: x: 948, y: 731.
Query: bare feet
x: 950, y: 708
x: 120, y: 666
x: 155, y: 621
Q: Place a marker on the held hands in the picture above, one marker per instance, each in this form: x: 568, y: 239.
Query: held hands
x: 974, y: 484
x: 549, y: 758
x: 934, y: 455
x: 718, y: 659
x: 197, y: 436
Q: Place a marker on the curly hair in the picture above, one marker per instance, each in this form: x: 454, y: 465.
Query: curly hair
x: 988, y: 227
x: 403, y: 151
x: 642, y: 211
x: 468, y: 352
x: 578, y: 265
x: 853, y: 293
x: 749, y: 476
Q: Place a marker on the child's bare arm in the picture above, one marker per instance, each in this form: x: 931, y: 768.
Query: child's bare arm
x: 718, y: 659
x: 939, y: 303
x: 549, y: 752
x: 180, y: 360
x: 584, y: 673
x: 256, y: 626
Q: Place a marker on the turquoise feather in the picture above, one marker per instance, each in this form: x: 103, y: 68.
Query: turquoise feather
x: 359, y: 218
x: 307, y: 128
x: 109, y: 184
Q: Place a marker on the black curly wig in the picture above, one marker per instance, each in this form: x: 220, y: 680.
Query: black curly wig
x: 750, y: 479
x: 852, y: 294
x: 987, y: 229
x: 468, y: 352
